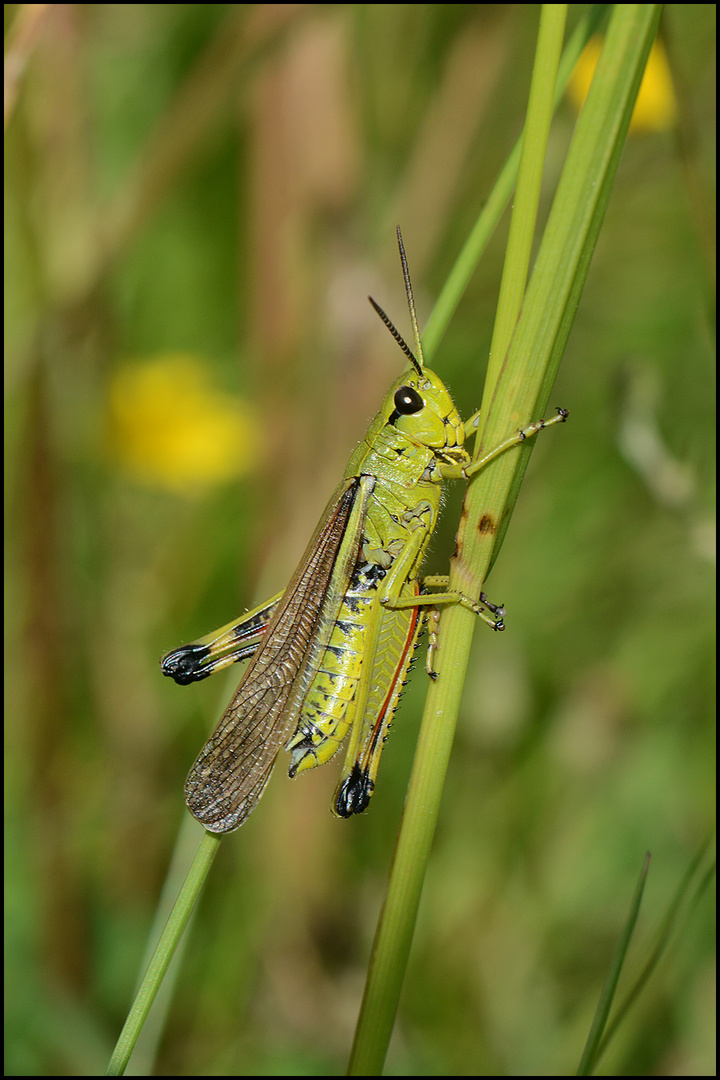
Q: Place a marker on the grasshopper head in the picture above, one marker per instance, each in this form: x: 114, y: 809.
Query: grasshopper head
x: 418, y: 404
x: 420, y: 407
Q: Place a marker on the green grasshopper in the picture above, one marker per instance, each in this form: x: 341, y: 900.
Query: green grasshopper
x: 331, y: 652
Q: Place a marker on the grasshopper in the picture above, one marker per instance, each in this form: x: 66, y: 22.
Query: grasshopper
x: 331, y: 652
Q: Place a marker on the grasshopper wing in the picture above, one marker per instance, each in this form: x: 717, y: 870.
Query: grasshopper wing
x: 234, y: 766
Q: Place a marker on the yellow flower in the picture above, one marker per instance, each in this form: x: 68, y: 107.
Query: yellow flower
x: 170, y: 427
x: 656, y: 106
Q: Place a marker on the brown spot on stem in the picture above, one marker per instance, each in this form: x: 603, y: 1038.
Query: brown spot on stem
x: 487, y: 525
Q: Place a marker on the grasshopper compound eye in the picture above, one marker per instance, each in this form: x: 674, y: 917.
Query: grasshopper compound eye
x: 408, y: 401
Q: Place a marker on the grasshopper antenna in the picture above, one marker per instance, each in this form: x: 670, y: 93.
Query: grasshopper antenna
x: 417, y: 364
x: 410, y: 299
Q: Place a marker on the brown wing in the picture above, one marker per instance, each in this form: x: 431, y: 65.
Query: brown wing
x: 234, y: 766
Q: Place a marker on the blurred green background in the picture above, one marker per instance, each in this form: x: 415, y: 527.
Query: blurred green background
x: 198, y: 199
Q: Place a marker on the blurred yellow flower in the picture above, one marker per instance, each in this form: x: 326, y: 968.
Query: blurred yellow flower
x: 170, y: 427
x: 656, y: 106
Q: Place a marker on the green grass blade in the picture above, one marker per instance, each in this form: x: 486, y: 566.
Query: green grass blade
x: 499, y: 197
x: 668, y: 927
x: 591, y: 1052
x: 163, y: 954
x: 517, y: 387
